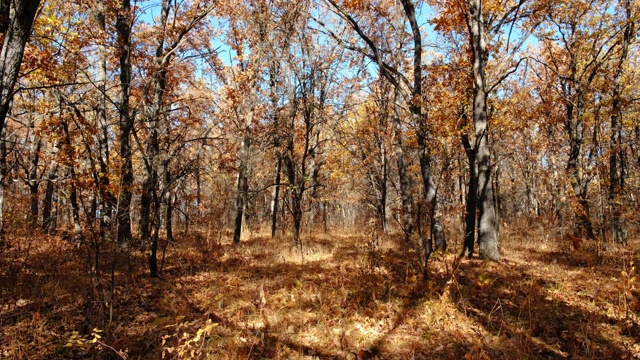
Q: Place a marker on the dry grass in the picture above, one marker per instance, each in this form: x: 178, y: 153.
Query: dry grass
x: 342, y: 297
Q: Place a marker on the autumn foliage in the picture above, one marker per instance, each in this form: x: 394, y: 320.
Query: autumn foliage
x: 331, y: 179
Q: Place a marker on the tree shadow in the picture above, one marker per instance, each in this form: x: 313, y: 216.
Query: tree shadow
x: 530, y: 314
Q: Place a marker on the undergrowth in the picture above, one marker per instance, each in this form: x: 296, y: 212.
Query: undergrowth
x: 344, y: 297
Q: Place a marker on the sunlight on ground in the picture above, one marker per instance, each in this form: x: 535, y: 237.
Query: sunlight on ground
x: 343, y: 297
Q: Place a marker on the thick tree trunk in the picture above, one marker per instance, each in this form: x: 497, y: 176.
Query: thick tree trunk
x: 293, y: 186
x: 107, y: 199
x: 18, y: 28
x: 487, y: 226
x: 575, y: 129
x: 123, y: 27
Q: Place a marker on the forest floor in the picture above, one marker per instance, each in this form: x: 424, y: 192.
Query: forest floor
x: 346, y: 296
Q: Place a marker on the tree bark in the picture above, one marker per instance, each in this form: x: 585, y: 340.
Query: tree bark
x: 154, y: 116
x: 243, y: 181
x: 107, y: 199
x: 420, y: 119
x: 472, y: 198
x: 616, y: 153
x: 382, y: 182
x: 123, y: 27
x: 48, y: 222
x: 403, y: 177
x: 487, y: 227
x: 4, y: 169
x: 293, y: 186
x: 575, y: 128
x: 276, y: 197
x: 72, y: 188
x: 32, y: 172
x: 21, y: 16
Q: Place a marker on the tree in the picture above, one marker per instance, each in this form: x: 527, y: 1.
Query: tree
x: 408, y: 90
x: 617, y: 163
x: 17, y: 18
x: 169, y: 38
x: 125, y: 122
x: 577, y: 44
x: 485, y: 25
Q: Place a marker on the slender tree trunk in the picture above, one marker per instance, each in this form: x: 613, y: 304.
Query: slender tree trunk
x: 32, y: 173
x: 150, y: 215
x: 18, y: 28
x: 384, y: 190
x: 123, y: 27
x: 437, y: 230
x: 419, y: 116
x: 616, y: 153
x: 72, y: 188
x: 153, y: 256
x: 314, y: 169
x: 381, y: 181
x: 168, y: 183
x: 471, y: 201
x: 487, y: 226
x: 243, y: 181
x: 4, y: 169
x: 169, y: 217
x: 48, y: 222
x: 297, y: 216
x: 497, y: 199
x: 276, y: 196
x: 403, y: 177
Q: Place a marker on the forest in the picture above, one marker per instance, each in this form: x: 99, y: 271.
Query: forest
x: 319, y: 179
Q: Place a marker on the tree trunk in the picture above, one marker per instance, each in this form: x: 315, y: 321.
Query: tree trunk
x: 169, y: 217
x: 150, y: 190
x: 72, y: 188
x: 18, y: 28
x: 48, y: 222
x: 616, y: 153
x: 276, y: 196
x: 472, y: 199
x: 4, y: 169
x: 382, y: 206
x: 107, y: 199
x: 419, y: 116
x: 487, y: 227
x: 243, y: 181
x: 293, y: 186
x: 575, y: 128
x: 123, y: 27
x: 403, y: 178
x: 32, y: 172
